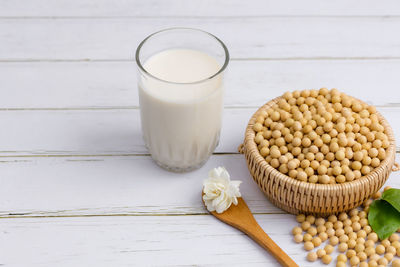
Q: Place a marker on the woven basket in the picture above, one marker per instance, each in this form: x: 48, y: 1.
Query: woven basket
x: 297, y: 197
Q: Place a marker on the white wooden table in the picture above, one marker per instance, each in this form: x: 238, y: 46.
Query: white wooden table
x: 77, y: 186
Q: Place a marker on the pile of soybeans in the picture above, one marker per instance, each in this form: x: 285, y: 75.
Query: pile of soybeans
x: 356, y: 242
x: 321, y: 136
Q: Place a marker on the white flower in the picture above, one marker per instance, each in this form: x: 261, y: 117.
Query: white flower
x: 219, y: 191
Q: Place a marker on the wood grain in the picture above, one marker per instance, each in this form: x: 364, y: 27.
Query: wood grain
x: 175, y: 8
x: 240, y: 217
x: 109, y: 132
x: 94, y: 132
x: 71, y: 146
x: 270, y: 38
x: 101, y: 186
x: 109, y: 8
x: 67, y: 85
x: 80, y: 186
x: 135, y: 240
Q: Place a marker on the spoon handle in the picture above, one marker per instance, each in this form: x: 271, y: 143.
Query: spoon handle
x: 257, y: 234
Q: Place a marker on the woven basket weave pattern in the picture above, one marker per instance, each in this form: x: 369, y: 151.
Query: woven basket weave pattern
x: 296, y: 197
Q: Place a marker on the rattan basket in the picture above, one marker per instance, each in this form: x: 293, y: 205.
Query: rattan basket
x: 296, y: 197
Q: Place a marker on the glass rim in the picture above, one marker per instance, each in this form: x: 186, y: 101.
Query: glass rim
x: 222, y: 68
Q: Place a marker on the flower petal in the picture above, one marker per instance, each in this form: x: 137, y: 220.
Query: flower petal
x: 219, y: 191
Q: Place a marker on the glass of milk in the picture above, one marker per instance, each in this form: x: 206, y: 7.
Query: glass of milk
x: 180, y: 79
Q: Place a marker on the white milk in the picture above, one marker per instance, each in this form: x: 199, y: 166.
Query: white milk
x: 181, y: 120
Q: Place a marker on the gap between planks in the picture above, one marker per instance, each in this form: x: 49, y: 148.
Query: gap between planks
x: 387, y: 105
x: 99, y: 155
x: 91, y: 155
x: 60, y: 60
x: 27, y: 215
x: 111, y: 17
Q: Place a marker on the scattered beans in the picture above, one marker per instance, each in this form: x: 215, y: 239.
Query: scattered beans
x: 370, y: 251
x: 341, y: 257
x: 321, y: 252
x: 351, y: 243
x: 330, y: 232
x: 308, y: 245
x: 343, y: 238
x: 385, y: 243
x: 374, y: 257
x: 380, y: 249
x: 350, y: 231
x: 383, y: 261
x: 393, y: 238
x: 297, y: 230
x: 298, y: 238
x: 343, y: 247
x: 396, y: 244
x: 352, y: 235
x: 312, y: 256
x: 312, y: 230
x: 362, y: 256
x: 328, y: 249
x: 300, y: 218
x: 307, y: 237
x: 389, y: 256
x: 377, y: 195
x: 310, y: 219
x: 326, y: 259
x: 333, y: 240
x: 316, y: 241
x: 320, y: 221
x: 350, y: 253
x: 396, y: 263
x: 354, y: 260
x: 323, y: 236
x: 391, y: 249
x: 305, y: 225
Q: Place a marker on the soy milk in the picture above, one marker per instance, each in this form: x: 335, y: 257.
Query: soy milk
x: 181, y: 109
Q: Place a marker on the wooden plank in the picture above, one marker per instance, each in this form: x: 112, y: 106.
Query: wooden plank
x: 144, y: 241
x: 248, y: 83
x: 89, y: 132
x: 134, y: 185
x: 109, y: 8
x: 112, y: 185
x: 141, y: 241
x: 105, y: 132
x: 261, y: 37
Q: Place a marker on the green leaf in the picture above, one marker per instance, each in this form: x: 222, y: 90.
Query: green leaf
x: 393, y: 197
x: 383, y: 218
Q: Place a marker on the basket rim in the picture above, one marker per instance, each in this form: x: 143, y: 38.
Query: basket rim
x: 251, y: 149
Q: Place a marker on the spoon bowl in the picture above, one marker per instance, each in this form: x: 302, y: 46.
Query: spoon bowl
x: 240, y: 217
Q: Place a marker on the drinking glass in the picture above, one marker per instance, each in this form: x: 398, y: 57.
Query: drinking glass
x: 181, y: 119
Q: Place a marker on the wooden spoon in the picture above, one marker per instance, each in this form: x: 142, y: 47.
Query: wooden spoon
x: 240, y: 217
